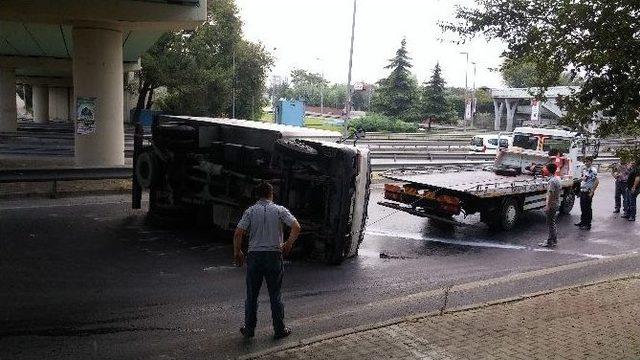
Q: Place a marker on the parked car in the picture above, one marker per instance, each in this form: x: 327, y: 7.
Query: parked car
x: 489, y: 143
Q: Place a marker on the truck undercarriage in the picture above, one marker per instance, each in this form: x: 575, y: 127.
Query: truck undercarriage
x: 207, y: 170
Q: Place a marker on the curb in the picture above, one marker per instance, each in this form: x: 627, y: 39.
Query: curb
x: 475, y: 284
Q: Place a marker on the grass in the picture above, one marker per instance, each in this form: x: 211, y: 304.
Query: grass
x: 309, y: 121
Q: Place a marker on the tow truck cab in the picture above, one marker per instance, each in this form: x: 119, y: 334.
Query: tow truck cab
x: 206, y: 169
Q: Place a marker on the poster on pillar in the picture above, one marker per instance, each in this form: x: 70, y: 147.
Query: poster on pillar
x: 535, y: 110
x: 85, y: 115
x: 468, y: 110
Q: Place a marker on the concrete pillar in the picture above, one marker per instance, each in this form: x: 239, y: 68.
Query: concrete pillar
x: 97, y: 73
x: 40, y: 104
x: 498, y: 108
x: 58, y: 104
x: 8, y: 108
x: 512, y: 107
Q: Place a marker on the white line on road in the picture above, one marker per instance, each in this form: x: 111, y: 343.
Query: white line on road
x: 482, y: 244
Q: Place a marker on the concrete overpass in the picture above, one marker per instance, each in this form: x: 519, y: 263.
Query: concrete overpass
x: 518, y: 101
x: 81, y: 49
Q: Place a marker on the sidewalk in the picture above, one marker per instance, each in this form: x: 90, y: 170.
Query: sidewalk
x: 599, y: 321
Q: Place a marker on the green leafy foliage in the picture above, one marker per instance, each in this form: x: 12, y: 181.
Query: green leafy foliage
x: 202, y: 69
x: 378, y: 122
x: 397, y: 95
x: 597, y: 40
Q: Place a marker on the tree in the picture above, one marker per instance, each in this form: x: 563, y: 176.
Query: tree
x: 434, y: 102
x: 524, y: 74
x: 203, y: 69
x: 397, y: 94
x: 595, y: 39
x: 306, y: 86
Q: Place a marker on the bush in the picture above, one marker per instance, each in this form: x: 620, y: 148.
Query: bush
x: 377, y: 122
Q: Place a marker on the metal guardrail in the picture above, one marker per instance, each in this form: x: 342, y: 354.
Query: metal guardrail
x: 53, y: 175
x: 389, y: 164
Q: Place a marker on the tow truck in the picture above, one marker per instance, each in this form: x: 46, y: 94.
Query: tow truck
x: 206, y: 169
x: 501, y: 192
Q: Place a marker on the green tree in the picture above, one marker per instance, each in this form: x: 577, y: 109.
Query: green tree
x: 434, y: 102
x: 203, y: 69
x: 397, y: 94
x: 306, y: 86
x: 522, y: 74
x: 592, y: 38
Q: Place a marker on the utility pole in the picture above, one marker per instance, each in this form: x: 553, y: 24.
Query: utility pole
x: 466, y: 89
x: 348, y: 104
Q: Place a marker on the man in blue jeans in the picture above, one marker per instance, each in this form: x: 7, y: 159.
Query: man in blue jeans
x: 633, y: 188
x: 263, y: 222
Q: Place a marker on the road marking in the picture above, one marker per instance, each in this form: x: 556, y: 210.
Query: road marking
x: 482, y: 244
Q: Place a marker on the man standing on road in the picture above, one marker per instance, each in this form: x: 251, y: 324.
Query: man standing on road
x: 588, y: 186
x: 554, y: 189
x: 620, y: 172
x: 633, y: 188
x: 263, y: 221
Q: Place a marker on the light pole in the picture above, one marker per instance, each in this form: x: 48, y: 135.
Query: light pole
x: 466, y: 89
x: 473, y: 95
x: 321, y: 87
x: 348, y: 104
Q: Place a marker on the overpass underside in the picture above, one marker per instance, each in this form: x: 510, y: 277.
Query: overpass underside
x: 76, y: 55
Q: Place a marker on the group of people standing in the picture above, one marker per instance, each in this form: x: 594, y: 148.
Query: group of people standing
x: 627, y: 175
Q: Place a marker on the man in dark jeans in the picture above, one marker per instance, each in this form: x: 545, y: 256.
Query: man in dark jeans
x: 588, y: 185
x: 263, y: 222
x: 620, y: 173
x: 633, y: 188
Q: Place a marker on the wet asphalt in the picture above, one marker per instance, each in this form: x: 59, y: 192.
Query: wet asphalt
x: 88, y: 277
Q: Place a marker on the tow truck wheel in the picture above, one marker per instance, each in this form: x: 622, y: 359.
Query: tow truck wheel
x: 146, y: 169
x: 509, y: 214
x: 567, y: 202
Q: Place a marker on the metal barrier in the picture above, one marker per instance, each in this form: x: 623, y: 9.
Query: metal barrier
x: 54, y: 175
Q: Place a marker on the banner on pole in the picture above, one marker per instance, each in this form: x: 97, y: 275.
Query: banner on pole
x: 535, y: 110
x: 468, y: 109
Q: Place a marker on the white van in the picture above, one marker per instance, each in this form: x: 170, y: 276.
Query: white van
x: 489, y: 143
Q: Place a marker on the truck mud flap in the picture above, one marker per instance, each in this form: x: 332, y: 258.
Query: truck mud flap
x: 415, y: 212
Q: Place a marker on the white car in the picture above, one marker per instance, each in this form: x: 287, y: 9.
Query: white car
x: 489, y: 143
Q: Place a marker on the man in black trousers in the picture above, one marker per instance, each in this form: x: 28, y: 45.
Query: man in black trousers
x: 263, y: 223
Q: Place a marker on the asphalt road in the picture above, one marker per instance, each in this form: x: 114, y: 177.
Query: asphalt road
x: 88, y: 278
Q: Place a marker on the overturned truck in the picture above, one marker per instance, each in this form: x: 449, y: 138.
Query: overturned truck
x: 206, y: 169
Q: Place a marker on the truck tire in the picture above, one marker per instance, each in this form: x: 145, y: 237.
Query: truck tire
x: 568, y: 200
x: 146, y: 169
x: 509, y: 214
x: 295, y: 149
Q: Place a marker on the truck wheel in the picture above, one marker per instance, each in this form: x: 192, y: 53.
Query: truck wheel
x: 567, y: 202
x: 509, y: 214
x: 295, y: 149
x: 146, y: 169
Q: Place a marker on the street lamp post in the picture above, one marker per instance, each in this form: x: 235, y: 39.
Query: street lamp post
x: 233, y: 91
x: 348, y: 104
x: 466, y: 89
x: 473, y: 95
x: 321, y: 87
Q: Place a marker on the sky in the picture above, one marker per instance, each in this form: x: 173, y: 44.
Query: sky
x: 315, y: 34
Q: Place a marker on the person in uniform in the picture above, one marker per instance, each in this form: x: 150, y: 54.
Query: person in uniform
x: 588, y: 185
